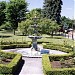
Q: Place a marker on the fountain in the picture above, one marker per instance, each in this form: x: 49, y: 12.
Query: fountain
x: 35, y: 37
x: 35, y: 50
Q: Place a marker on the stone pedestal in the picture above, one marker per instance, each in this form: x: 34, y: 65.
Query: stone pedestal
x: 34, y: 44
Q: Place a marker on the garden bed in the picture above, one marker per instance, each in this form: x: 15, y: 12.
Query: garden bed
x: 64, y: 48
x: 5, y: 61
x: 59, y: 64
x: 9, y: 62
x: 68, y: 62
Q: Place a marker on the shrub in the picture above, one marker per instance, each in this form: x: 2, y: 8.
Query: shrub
x: 58, y: 47
x: 10, y: 68
x: 7, y: 55
x: 11, y: 42
x: 46, y: 64
x: 48, y: 70
x: 11, y: 46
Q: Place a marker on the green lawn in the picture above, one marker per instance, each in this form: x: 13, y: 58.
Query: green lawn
x: 8, y: 36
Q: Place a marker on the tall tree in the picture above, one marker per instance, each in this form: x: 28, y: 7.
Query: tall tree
x: 24, y: 27
x: 48, y: 27
x: 69, y: 22
x: 16, y: 12
x: 34, y: 12
x: 2, y: 12
x: 52, y: 10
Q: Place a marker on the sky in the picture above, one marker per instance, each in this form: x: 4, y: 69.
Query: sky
x: 68, y: 7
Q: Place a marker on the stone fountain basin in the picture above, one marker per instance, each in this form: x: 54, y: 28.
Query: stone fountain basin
x: 26, y: 52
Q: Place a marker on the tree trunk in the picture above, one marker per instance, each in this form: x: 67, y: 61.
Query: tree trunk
x: 23, y: 33
x: 59, y: 32
x: 15, y: 27
x: 14, y: 31
x: 52, y: 34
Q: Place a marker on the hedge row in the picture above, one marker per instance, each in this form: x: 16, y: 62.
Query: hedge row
x: 11, y: 68
x: 58, y: 47
x: 11, y: 42
x: 15, y: 46
x: 7, y: 55
x: 48, y: 70
x: 58, y: 57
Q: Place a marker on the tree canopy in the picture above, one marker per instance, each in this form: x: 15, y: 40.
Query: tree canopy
x: 24, y: 27
x: 2, y: 12
x: 34, y: 12
x: 16, y: 11
x: 52, y: 10
x: 48, y: 26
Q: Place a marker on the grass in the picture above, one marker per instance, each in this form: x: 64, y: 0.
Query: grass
x: 57, y: 41
x: 8, y: 36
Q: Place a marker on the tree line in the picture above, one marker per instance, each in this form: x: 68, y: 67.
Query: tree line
x: 15, y: 15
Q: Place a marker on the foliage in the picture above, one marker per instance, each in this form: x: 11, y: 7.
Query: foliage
x: 12, y: 66
x: 64, y: 48
x: 16, y: 11
x: 47, y: 26
x: 12, y: 46
x: 7, y: 55
x: 52, y: 10
x: 12, y: 42
x: 46, y: 64
x: 24, y: 27
x: 66, y: 22
x: 34, y: 12
x: 2, y: 12
x: 6, y: 26
x: 48, y: 70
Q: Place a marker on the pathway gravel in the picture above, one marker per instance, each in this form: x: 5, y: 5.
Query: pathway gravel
x: 32, y: 66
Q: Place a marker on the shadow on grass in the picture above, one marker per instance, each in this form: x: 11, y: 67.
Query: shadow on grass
x: 19, y: 68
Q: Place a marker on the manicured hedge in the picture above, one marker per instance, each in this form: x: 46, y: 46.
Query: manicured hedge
x: 48, y: 70
x: 7, y: 55
x: 10, y: 68
x: 11, y: 46
x: 12, y: 42
x: 58, y: 57
x: 58, y: 47
x: 40, y: 42
x: 46, y: 64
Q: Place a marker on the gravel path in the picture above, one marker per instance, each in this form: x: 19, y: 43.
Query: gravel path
x: 32, y: 66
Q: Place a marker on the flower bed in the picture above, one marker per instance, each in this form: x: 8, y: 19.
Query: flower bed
x: 12, y: 66
x: 49, y: 70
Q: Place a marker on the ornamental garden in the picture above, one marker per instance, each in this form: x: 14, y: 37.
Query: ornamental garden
x: 57, y: 34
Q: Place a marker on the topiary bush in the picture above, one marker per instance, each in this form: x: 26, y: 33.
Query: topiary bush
x: 58, y: 47
x: 12, y: 67
x: 2, y: 42
x: 11, y: 46
x: 48, y: 70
